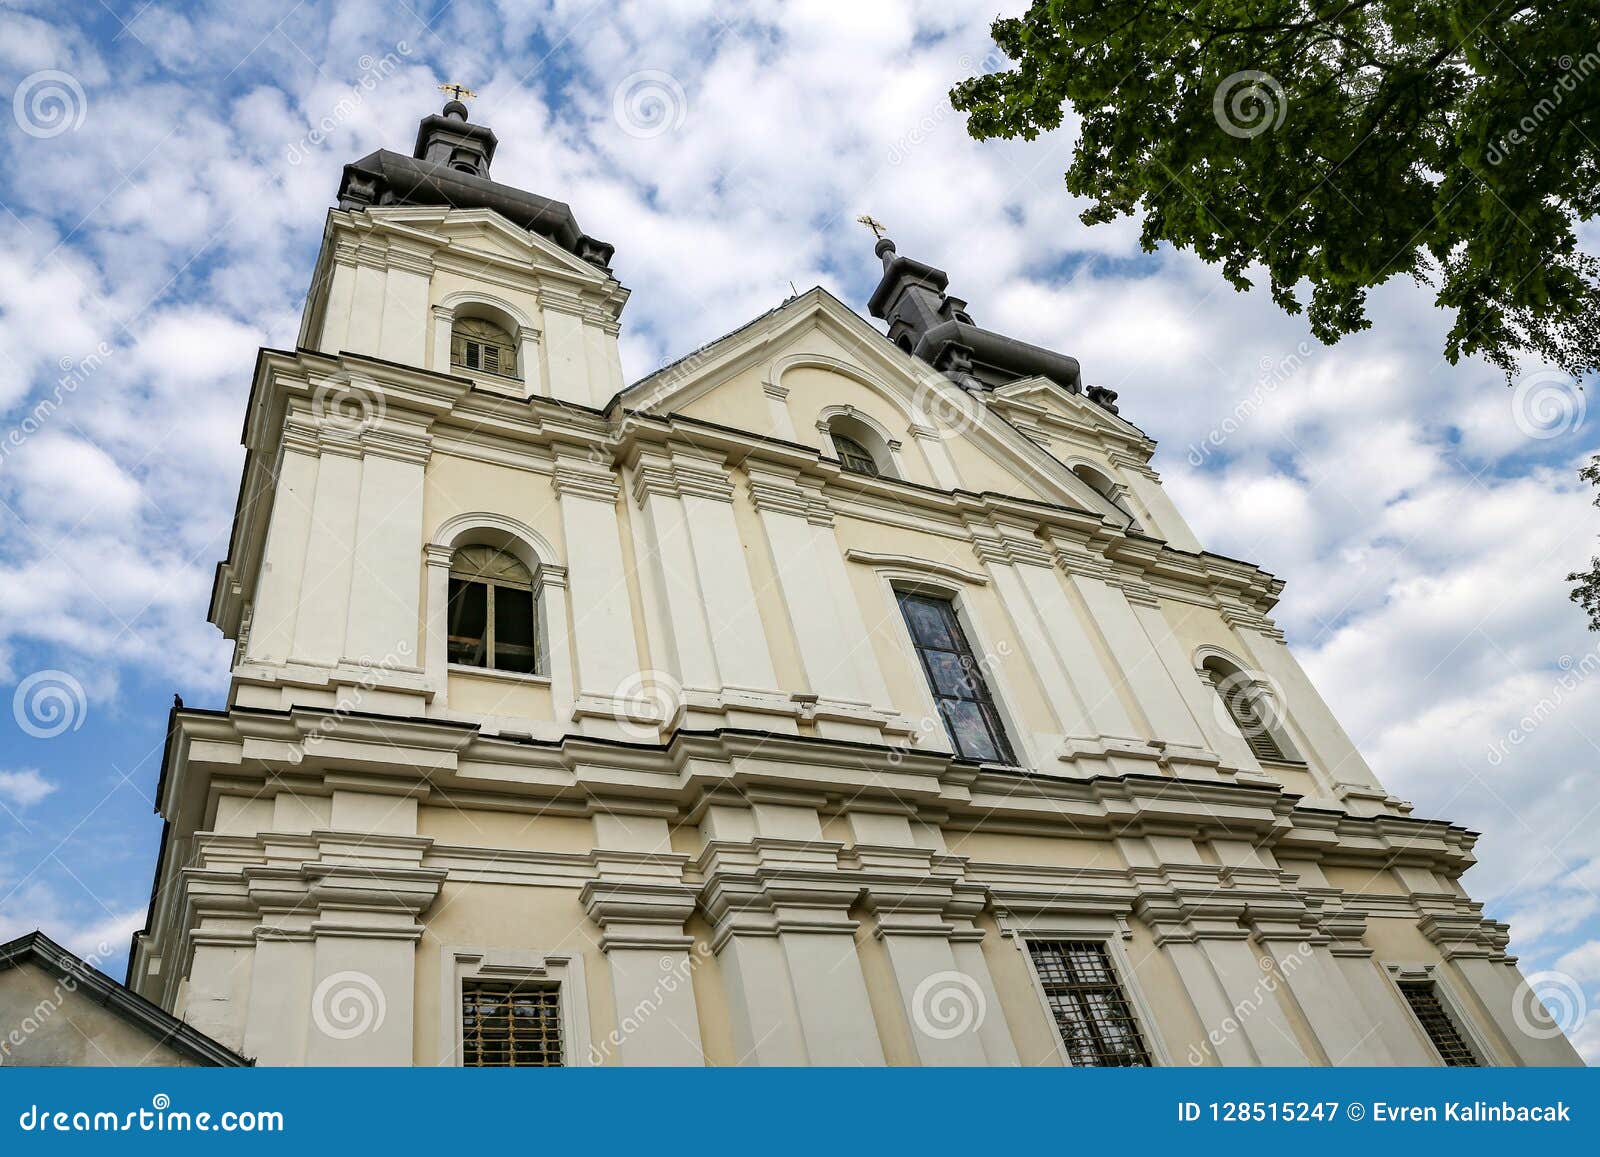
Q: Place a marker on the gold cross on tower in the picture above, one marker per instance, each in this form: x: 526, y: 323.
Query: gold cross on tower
x: 872, y: 223
x: 458, y: 92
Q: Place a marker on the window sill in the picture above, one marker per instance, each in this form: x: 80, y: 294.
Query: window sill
x: 468, y: 371
x: 505, y: 676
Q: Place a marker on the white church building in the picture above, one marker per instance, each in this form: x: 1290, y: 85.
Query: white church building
x: 837, y: 695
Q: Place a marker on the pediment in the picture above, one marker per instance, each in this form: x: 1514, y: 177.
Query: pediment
x: 485, y: 234
x: 790, y: 372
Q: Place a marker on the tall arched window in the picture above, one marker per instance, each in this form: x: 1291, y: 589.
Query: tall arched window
x: 1252, y: 710
x: 492, y: 613
x: 476, y: 344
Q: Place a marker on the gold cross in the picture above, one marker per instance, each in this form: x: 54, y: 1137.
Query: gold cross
x: 872, y: 223
x: 458, y: 91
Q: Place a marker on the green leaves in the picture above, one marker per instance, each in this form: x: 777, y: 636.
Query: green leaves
x: 1336, y: 144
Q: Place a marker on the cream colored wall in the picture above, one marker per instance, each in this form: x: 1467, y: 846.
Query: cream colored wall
x: 547, y: 920
x: 43, y: 1022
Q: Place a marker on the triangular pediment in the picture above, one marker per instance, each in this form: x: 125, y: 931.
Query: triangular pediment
x: 792, y: 372
x: 485, y: 234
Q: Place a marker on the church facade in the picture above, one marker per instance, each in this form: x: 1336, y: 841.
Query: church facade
x: 831, y: 696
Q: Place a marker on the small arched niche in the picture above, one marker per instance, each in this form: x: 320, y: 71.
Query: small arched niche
x: 1101, y: 484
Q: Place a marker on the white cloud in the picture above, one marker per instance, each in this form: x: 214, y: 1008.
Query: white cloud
x: 24, y: 787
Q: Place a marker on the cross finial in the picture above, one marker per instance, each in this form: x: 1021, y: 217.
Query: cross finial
x: 458, y: 91
x: 872, y: 223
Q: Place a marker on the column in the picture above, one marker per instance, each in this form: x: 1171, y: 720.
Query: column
x: 779, y: 906
x: 528, y: 362
x: 1318, y: 987
x: 324, y: 597
x: 217, y: 999
x: 830, y: 632
x: 1139, y: 667
x: 385, y: 587
x: 564, y: 348
x: 404, y: 336
x: 273, y: 614
x: 280, y: 992
x: 640, y: 902
x: 1053, y: 639
x: 604, y: 650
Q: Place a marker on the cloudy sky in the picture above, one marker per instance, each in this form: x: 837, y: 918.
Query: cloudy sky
x: 164, y: 180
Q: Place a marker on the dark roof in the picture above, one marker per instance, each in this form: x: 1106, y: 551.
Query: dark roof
x: 38, y: 949
x: 388, y: 178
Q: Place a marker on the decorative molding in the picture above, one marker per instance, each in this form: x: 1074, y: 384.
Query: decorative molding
x: 917, y: 566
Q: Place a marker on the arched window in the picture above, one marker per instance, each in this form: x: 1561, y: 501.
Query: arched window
x: 1252, y: 709
x: 860, y: 448
x: 854, y: 457
x: 1106, y: 489
x: 476, y: 344
x: 492, y: 615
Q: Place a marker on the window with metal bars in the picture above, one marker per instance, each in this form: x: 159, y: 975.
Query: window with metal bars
x: 1436, y: 1021
x: 955, y: 678
x: 510, y: 1025
x: 1091, y: 1010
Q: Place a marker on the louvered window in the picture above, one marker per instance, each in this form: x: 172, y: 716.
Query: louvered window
x: 1253, y: 712
x: 481, y: 345
x: 1252, y: 717
x: 492, y: 617
x: 1436, y: 1021
x: 1091, y: 1011
x: 510, y: 1025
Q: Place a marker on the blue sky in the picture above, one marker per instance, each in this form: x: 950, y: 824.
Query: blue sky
x: 165, y: 176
